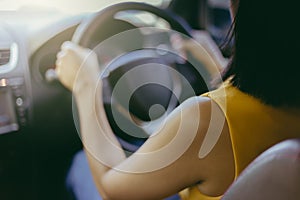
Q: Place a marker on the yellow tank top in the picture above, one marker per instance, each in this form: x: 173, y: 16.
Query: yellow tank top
x: 253, y: 127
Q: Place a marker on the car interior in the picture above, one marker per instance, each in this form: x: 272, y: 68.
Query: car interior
x: 38, y: 135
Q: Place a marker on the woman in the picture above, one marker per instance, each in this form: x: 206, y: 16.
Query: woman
x: 259, y: 102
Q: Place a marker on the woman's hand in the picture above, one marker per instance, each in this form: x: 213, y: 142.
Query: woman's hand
x: 203, y: 48
x: 77, y: 67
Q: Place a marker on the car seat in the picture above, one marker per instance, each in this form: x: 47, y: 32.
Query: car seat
x: 275, y: 175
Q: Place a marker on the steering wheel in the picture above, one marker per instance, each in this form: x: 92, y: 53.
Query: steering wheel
x: 158, y: 93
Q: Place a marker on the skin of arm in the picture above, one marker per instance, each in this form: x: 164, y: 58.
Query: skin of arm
x: 168, y: 161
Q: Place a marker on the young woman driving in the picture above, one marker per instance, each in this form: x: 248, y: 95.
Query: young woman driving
x: 207, y: 141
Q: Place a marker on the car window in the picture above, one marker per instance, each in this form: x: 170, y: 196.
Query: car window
x: 67, y: 6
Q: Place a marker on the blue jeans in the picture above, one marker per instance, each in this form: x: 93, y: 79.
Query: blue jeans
x: 80, y: 182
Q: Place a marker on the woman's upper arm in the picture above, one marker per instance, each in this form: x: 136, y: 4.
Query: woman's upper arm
x: 168, y: 161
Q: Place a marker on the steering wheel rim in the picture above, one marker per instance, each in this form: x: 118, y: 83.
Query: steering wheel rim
x: 88, y: 27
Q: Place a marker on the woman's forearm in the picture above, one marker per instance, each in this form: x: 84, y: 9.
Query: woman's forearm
x: 102, y: 147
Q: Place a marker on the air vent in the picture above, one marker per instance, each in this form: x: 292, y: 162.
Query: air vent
x: 4, y: 56
x: 8, y: 58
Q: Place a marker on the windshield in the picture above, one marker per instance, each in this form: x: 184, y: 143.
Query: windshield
x: 66, y: 6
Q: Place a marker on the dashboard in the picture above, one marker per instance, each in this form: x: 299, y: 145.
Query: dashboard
x: 26, y: 53
x: 37, y: 133
x: 14, y: 87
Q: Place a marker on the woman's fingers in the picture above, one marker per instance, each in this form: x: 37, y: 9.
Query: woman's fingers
x: 67, y: 64
x: 76, y: 64
x: 70, y: 46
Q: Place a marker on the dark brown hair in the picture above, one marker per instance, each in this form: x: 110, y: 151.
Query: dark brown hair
x: 266, y: 55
